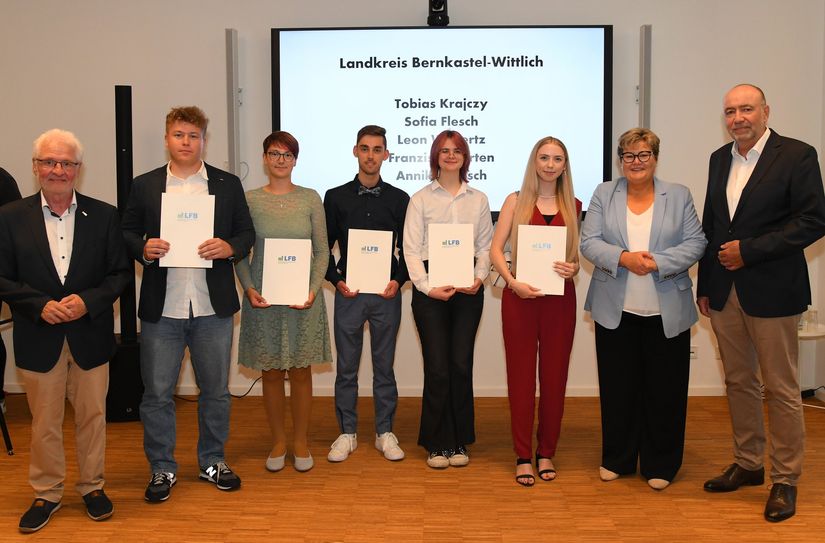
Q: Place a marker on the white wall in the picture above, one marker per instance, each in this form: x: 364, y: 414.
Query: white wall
x: 60, y: 61
x: 818, y: 280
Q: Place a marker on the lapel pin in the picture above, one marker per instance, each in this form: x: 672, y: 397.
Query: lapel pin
x: 84, y: 213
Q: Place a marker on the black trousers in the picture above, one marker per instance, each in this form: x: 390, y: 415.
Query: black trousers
x: 448, y: 332
x: 643, y: 382
x: 2, y: 368
x: 2, y: 364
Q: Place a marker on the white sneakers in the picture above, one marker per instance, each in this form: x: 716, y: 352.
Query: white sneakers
x: 438, y: 460
x: 342, y: 447
x: 387, y: 443
x: 459, y: 458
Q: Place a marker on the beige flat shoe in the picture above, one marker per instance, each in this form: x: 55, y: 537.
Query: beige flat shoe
x: 607, y: 475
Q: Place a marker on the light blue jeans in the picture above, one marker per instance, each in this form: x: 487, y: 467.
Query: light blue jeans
x: 161, y: 352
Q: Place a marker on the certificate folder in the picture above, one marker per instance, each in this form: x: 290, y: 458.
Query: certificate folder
x: 538, y: 248
x: 186, y: 221
x: 286, y: 271
x: 369, y: 260
x: 451, y: 251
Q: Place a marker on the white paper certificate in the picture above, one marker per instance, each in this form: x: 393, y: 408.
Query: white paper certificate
x: 186, y: 221
x: 286, y: 271
x: 538, y: 248
x: 451, y: 252
x: 369, y: 260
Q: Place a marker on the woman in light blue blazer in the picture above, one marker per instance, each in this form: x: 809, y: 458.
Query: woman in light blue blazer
x: 642, y: 234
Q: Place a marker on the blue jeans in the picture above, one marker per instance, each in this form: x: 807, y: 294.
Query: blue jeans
x: 162, y: 346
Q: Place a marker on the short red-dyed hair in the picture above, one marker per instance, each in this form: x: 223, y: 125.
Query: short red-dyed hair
x: 284, y: 139
x: 459, y: 141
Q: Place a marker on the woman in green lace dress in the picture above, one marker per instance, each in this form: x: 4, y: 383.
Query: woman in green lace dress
x: 279, y: 339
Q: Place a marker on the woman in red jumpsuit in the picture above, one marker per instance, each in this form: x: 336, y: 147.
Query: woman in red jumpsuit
x: 538, y: 329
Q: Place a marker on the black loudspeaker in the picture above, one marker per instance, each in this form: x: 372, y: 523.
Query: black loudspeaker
x: 125, y: 383
x: 123, y: 160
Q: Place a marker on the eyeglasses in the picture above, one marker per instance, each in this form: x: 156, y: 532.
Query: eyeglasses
x: 49, y: 164
x: 275, y: 156
x: 446, y: 152
x: 628, y: 158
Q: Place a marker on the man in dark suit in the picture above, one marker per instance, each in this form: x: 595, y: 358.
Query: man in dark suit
x: 187, y: 307
x: 764, y: 205
x: 62, y: 266
x: 8, y: 193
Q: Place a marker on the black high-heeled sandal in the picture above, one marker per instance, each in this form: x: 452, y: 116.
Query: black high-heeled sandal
x: 550, y: 472
x: 525, y: 479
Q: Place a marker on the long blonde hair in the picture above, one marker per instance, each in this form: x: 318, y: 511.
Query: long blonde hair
x: 565, y: 200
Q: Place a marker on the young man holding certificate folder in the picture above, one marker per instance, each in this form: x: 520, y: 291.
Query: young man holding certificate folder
x: 189, y: 303
x: 365, y: 217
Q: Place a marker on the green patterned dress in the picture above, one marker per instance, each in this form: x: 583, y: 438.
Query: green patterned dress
x: 278, y: 337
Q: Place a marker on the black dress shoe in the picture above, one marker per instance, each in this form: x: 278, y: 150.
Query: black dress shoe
x: 734, y: 477
x: 781, y: 503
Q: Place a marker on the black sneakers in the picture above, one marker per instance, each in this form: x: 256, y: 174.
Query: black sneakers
x: 220, y: 474
x: 162, y: 481
x: 160, y: 486
x: 98, y: 505
x: 38, y: 515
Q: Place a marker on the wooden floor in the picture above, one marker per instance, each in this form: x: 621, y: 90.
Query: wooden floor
x: 368, y: 498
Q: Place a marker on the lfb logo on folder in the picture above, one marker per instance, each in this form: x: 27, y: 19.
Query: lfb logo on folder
x: 369, y: 249
x: 451, y: 243
x: 287, y: 259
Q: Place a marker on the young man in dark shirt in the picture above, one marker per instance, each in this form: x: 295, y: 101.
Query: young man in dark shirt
x: 367, y: 203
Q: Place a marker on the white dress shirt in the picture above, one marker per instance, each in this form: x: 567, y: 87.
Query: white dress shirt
x: 741, y: 169
x: 434, y: 204
x: 186, y: 287
x: 640, y: 297
x: 60, y: 231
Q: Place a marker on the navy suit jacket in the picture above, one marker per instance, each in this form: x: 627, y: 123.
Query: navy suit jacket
x: 98, y: 272
x: 233, y: 224
x: 676, y: 241
x: 781, y: 211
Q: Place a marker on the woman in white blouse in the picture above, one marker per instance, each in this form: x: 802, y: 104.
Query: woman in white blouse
x: 642, y: 234
x: 447, y: 316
